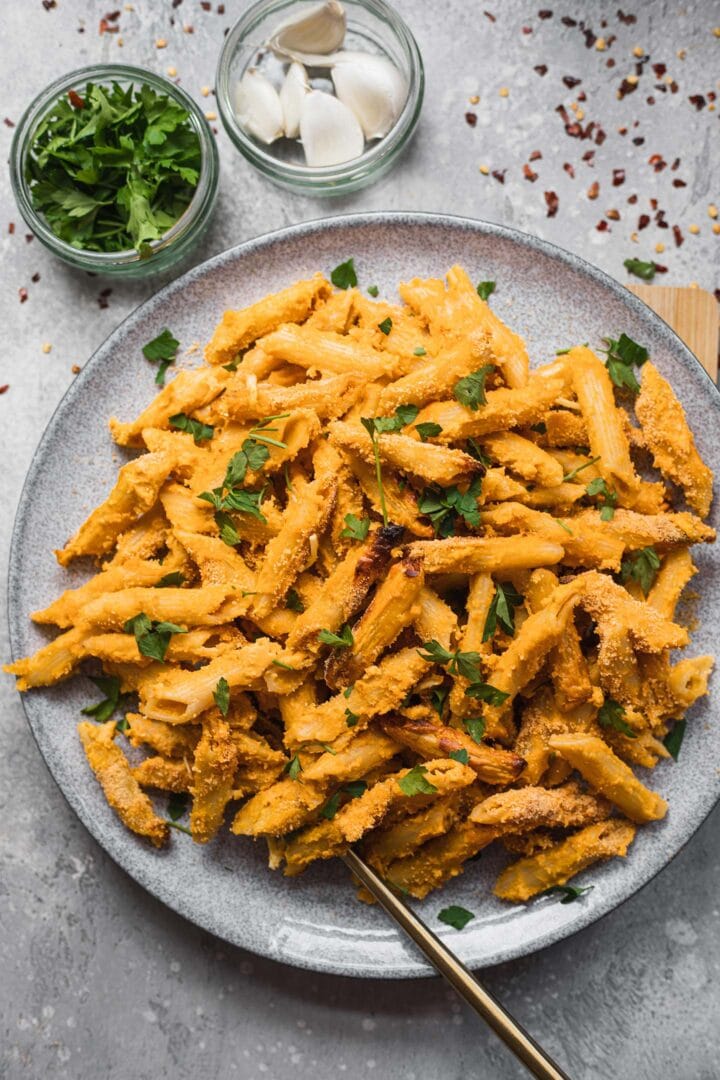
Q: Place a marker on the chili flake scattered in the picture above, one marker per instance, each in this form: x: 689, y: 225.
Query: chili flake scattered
x: 23, y: 293
x: 552, y: 203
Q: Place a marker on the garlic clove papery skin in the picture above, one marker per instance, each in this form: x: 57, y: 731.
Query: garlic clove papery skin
x: 257, y: 107
x: 329, y: 131
x: 320, y: 30
x: 292, y: 94
x: 372, y: 87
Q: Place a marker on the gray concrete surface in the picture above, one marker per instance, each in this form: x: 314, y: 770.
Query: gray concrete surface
x: 98, y: 980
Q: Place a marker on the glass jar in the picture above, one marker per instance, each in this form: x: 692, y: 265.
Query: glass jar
x: 372, y: 26
x: 179, y: 239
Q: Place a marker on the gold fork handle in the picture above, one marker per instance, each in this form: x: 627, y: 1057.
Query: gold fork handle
x: 447, y: 964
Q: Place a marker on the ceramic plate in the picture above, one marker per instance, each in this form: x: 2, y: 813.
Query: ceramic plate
x: 553, y: 299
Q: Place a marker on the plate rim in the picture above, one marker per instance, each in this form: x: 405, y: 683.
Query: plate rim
x: 412, y: 968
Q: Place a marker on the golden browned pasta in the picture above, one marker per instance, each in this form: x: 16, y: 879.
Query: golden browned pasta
x: 605, y: 772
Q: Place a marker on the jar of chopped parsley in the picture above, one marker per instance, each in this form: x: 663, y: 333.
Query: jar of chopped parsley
x: 115, y: 170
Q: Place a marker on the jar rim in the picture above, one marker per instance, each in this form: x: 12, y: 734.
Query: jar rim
x: 104, y: 73
x: 322, y: 179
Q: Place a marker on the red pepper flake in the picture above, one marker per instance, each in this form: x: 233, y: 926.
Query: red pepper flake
x: 600, y: 136
x: 23, y: 294
x: 29, y: 237
x: 8, y: 122
x: 4, y: 389
x: 659, y: 70
x: 660, y: 220
x: 643, y: 221
x: 570, y: 81
x: 567, y: 21
x: 221, y: 9
x: 678, y: 236
x: 602, y: 226
x: 660, y: 269
x: 471, y: 118
x: 176, y: 3
x: 675, y: 165
x: 653, y: 204
x: 638, y: 140
x: 627, y: 20
x: 11, y: 227
x: 589, y: 157
x: 674, y: 87
x: 102, y: 299
x: 527, y: 29
x: 650, y: 100
x: 75, y: 100
x: 622, y: 131
x: 658, y: 162
x: 206, y: 5
x: 545, y: 14
x: 541, y: 69
x: 711, y: 95
x: 632, y: 199
x: 610, y: 62
x: 677, y: 182
x: 107, y: 28
x: 698, y: 101
x: 499, y: 175
x: 569, y: 169
x: 594, y: 190
x: 529, y: 174
x: 534, y: 156
x: 618, y: 177
x: 489, y: 15
x: 35, y: 278
x: 552, y: 203
x: 626, y: 88
x: 613, y: 215
x: 49, y: 4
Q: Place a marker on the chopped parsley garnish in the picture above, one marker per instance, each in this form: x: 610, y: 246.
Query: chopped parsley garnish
x: 293, y: 601
x: 466, y: 664
x: 373, y: 290
x: 162, y: 351
x: 259, y: 432
x: 485, y: 692
x: 641, y: 566
x: 109, y: 685
x: 331, y: 807
x: 574, y: 472
x: 476, y: 451
x: 369, y: 423
x: 438, y: 697
x: 283, y: 665
x: 354, y: 790
x: 355, y: 528
x: 460, y: 755
x: 419, y: 351
x: 113, y: 167
x: 445, y: 506
x: 221, y: 694
x: 470, y: 391
x: 611, y: 714
x: 502, y: 610
x: 344, y: 276
x: 351, y: 718
x: 428, y: 430
x: 567, y: 894
x: 673, y: 739
x: 414, y: 782
x: 152, y: 638
x: 622, y: 356
x: 343, y: 640
x: 456, y: 916
x: 173, y: 580
x: 598, y: 486
x: 199, y: 431
x: 230, y: 496
x: 475, y: 727
x: 385, y: 326
x: 644, y: 270
x: 485, y: 289
x: 293, y: 767
x: 177, y: 805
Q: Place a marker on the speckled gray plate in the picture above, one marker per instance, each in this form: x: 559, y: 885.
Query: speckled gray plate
x: 314, y: 921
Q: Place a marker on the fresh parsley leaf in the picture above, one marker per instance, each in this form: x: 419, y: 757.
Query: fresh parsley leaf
x: 476, y: 451
x: 221, y: 694
x: 644, y: 270
x: 283, y: 665
x: 446, y: 506
x: 611, y: 714
x: 356, y: 788
x: 177, y: 805
x: 173, y: 580
x: 578, y: 469
x: 501, y: 611
x: 404, y: 415
x: 355, y: 528
x: 562, y: 525
x: 567, y: 894
x: 598, y: 486
x: 674, y: 738
x: 419, y: 351
x: 460, y: 755
x: 470, y: 391
x: 641, y: 566
x: 485, y: 289
x: 226, y: 527
x: 343, y: 640
x: 385, y: 326
x: 122, y: 724
x: 475, y: 727
x: 152, y: 638
x: 199, y: 431
x: 293, y: 601
x: 331, y: 807
x: 293, y: 767
x: 623, y: 356
x: 373, y: 290
x: 414, y: 782
x: 369, y: 423
x: 344, y: 276
x: 162, y: 351
x: 438, y: 697
x: 428, y: 430
x: 456, y: 916
x: 466, y: 664
x: 348, y: 690
x: 109, y: 685
x: 351, y: 718
x: 485, y: 692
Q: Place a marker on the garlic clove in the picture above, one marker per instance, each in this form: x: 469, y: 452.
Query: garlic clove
x: 329, y: 131
x: 372, y: 87
x: 292, y: 94
x: 320, y: 30
x: 257, y: 107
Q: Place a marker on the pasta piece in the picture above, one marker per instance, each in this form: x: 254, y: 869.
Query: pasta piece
x: 430, y: 740
x: 188, y: 391
x: 530, y: 808
x: 605, y: 772
x: 584, y: 539
x: 505, y: 408
x: 670, y: 441
x: 688, y: 679
x: 402, y: 838
x: 239, y: 329
x: 284, y: 806
x: 188, y: 607
x: 676, y: 570
x: 163, y: 773
x: 168, y: 740
x: 401, y: 502
x: 361, y: 755
x: 122, y: 790
x: 468, y: 555
x: 537, y: 873
x: 524, y: 458
x: 335, y: 354
x: 52, y: 662
x: 213, y: 773
x: 435, y: 464
x: 437, y: 376
x: 436, y: 619
x: 328, y: 398
x: 439, y: 860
